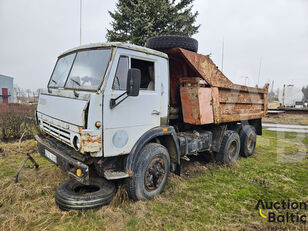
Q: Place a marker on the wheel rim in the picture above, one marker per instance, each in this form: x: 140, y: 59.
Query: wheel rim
x: 154, y: 174
x: 232, y: 150
x: 250, y: 142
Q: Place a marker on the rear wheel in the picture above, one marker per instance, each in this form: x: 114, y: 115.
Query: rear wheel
x: 248, y: 138
x: 150, y: 174
x: 229, y: 149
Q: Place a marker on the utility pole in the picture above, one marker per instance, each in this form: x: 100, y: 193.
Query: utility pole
x: 246, y: 78
x: 283, y: 94
x: 259, y: 70
x: 80, y: 19
x: 222, y: 54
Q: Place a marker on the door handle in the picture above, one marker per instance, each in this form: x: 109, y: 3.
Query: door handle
x: 155, y: 112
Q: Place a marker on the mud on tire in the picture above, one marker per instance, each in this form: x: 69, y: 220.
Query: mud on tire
x: 229, y: 149
x: 150, y: 174
x: 248, y: 138
x: 172, y: 41
x: 71, y: 194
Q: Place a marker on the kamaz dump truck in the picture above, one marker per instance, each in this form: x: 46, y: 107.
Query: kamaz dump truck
x: 117, y: 112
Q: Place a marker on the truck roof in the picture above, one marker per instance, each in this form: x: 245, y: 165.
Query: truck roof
x: 117, y: 44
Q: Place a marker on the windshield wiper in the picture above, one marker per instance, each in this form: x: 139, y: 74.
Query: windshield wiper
x: 54, y: 81
x: 75, y: 82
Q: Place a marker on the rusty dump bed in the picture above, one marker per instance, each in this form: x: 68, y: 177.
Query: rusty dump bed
x: 206, y: 95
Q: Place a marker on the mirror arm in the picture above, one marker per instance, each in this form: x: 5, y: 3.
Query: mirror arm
x: 113, y: 102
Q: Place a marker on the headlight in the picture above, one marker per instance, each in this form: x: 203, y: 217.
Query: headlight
x: 76, y: 143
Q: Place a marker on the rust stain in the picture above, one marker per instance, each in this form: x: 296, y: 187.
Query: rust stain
x: 90, y: 143
x: 196, y: 101
x: 130, y: 173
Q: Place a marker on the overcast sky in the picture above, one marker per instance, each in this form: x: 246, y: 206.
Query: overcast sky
x: 34, y: 32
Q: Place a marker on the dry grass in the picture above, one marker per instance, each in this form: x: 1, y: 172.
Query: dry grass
x: 287, y: 119
x: 205, y: 197
x: 17, y: 120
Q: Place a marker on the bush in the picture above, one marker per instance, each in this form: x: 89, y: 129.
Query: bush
x: 16, y: 119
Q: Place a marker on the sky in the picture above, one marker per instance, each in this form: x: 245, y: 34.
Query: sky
x: 274, y: 33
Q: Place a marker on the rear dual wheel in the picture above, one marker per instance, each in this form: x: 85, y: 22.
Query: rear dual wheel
x: 229, y: 148
x: 234, y: 144
x: 248, y: 139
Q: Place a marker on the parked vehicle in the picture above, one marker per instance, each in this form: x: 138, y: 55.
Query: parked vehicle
x: 299, y: 104
x: 119, y: 111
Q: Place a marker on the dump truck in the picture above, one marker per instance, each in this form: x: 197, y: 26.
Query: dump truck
x: 116, y: 112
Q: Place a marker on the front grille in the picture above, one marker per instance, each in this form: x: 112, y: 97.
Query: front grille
x: 57, y: 132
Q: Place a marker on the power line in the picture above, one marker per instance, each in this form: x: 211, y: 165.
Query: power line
x: 259, y: 70
x: 80, y: 19
x: 222, y: 54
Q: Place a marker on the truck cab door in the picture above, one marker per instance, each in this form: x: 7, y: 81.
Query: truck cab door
x: 124, y: 124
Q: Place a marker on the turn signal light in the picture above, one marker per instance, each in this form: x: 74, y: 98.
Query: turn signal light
x: 78, y: 172
x: 98, y: 124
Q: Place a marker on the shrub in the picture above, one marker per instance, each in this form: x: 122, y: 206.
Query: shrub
x: 16, y: 119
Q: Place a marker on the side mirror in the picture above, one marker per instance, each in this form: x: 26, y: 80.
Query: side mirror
x: 133, y: 82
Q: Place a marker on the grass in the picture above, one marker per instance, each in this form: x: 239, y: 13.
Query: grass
x: 301, y: 119
x: 205, y: 197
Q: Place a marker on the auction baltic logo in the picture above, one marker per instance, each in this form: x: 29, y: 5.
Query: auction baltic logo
x: 283, y: 211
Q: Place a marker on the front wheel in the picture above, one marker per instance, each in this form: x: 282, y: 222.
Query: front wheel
x: 150, y: 174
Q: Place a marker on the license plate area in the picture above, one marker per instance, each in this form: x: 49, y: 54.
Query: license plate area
x: 51, y: 156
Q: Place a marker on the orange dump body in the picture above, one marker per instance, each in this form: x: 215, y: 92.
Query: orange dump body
x: 206, y: 95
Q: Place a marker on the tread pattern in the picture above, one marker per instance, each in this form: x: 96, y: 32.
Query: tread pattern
x: 244, y: 133
x: 134, y: 184
x: 66, y: 198
x: 222, y: 155
x: 172, y: 41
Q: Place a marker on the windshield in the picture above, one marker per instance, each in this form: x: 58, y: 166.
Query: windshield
x: 81, y: 70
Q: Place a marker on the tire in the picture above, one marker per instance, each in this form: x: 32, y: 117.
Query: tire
x: 229, y: 149
x: 150, y: 174
x: 69, y: 194
x: 172, y: 41
x: 248, y: 139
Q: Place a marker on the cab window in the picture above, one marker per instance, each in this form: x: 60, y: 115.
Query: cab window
x: 147, y: 73
x: 119, y: 82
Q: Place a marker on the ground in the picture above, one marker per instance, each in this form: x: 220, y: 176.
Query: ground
x: 301, y: 119
x: 205, y: 197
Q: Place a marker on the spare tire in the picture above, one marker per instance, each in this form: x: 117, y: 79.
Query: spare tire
x: 172, y: 41
x: 73, y: 195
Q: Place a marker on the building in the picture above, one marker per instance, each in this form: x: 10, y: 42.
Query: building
x: 6, y: 89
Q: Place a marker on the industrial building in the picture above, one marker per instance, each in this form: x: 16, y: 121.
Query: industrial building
x: 6, y: 89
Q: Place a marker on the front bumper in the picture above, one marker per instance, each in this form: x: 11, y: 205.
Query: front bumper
x: 63, y: 161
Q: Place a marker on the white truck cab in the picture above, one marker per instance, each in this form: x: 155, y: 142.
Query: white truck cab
x: 83, y: 84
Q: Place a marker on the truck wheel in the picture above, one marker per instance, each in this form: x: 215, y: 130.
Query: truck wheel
x: 73, y: 195
x: 248, y: 138
x: 150, y: 174
x: 172, y: 41
x: 229, y: 149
